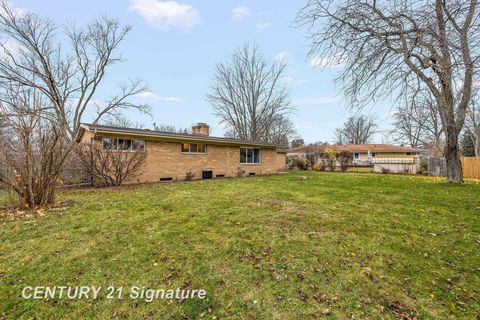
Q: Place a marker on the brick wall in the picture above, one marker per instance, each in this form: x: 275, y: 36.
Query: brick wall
x: 165, y: 160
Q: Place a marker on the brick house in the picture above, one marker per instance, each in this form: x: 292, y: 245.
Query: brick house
x: 362, y: 153
x: 171, y: 155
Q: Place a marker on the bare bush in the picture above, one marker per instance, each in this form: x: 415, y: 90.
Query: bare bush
x: 329, y: 157
x: 34, y: 147
x: 385, y: 170
x: 345, y: 159
x: 110, y: 167
x: 296, y: 162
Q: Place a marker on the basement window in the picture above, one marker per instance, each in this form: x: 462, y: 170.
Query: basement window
x: 249, y: 155
x: 194, y: 148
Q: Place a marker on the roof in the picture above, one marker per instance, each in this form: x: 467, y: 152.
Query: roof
x: 355, y: 148
x: 162, y: 135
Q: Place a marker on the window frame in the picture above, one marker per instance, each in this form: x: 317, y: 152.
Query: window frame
x: 189, y: 148
x: 253, y: 156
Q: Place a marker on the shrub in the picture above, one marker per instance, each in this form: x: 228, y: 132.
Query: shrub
x: 297, y: 162
x: 330, y: 159
x: 345, y: 159
x: 33, y: 153
x: 312, y: 159
x: 423, y: 167
x: 385, y: 170
x: 110, y: 167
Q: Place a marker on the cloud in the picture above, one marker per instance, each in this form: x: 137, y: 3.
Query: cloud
x: 240, y: 13
x: 282, y: 56
x: 263, y: 25
x: 317, y: 101
x: 166, y: 14
x: 292, y: 80
x: 332, y: 61
x: 155, y: 97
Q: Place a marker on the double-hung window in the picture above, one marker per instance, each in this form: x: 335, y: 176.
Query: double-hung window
x: 249, y: 155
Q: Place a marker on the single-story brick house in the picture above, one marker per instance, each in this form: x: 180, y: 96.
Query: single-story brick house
x: 171, y: 155
x: 362, y: 153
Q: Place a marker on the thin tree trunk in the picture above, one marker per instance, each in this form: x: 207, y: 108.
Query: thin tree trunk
x: 476, y: 143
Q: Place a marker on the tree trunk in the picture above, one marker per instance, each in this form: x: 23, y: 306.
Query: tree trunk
x: 477, y: 143
x: 452, y: 157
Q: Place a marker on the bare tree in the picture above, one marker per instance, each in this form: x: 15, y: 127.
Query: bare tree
x: 168, y: 128
x: 400, y: 47
x: 33, y: 56
x: 248, y: 96
x: 418, y: 123
x: 298, y: 142
x: 34, y: 146
x: 356, y: 130
x: 281, y: 131
x: 110, y: 167
x: 121, y: 122
x: 473, y: 121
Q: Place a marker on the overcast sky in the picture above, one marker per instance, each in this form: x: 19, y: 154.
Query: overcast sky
x: 174, y: 47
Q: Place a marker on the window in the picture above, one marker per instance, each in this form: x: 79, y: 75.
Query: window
x: 138, y: 145
x: 249, y: 155
x: 408, y: 153
x: 123, y: 144
x: 194, y: 148
x: 356, y: 156
x: 107, y: 144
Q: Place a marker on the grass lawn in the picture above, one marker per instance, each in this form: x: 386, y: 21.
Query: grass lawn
x: 291, y: 246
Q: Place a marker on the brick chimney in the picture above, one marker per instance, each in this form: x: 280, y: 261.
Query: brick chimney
x: 201, y: 129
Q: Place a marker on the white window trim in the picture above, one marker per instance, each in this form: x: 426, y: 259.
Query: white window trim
x: 193, y: 153
x: 252, y: 163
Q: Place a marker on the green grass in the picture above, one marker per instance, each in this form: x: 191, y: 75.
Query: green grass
x: 282, y: 247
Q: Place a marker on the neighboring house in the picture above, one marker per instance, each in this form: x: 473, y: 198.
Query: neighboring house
x: 171, y: 155
x: 362, y: 153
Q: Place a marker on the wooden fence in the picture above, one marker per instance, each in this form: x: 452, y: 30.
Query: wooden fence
x: 471, y: 167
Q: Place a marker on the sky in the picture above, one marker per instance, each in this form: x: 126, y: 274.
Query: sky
x: 174, y: 46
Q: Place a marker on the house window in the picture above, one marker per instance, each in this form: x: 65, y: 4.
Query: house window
x: 108, y: 144
x: 138, y: 145
x: 356, y: 156
x: 408, y: 153
x: 194, y: 148
x: 123, y: 144
x: 249, y: 155
x: 373, y: 154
